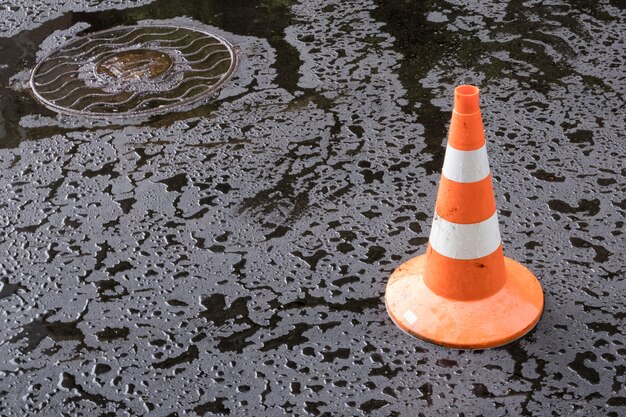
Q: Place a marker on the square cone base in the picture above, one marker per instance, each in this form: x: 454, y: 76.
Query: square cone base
x: 475, y: 324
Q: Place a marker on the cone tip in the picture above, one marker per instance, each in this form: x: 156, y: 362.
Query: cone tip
x: 466, y: 99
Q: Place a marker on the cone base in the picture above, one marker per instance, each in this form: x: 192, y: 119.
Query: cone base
x: 488, y: 322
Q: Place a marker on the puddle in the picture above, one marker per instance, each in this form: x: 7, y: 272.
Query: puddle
x: 23, y: 118
x: 231, y: 258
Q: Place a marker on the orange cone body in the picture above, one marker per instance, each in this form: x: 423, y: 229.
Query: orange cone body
x: 464, y: 293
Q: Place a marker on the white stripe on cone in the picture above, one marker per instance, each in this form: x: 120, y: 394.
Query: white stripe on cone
x: 465, y: 241
x: 465, y: 166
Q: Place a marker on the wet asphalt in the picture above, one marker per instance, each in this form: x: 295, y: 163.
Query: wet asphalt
x: 231, y: 259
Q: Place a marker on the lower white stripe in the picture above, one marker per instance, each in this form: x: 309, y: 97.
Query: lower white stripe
x: 465, y: 241
x: 465, y: 166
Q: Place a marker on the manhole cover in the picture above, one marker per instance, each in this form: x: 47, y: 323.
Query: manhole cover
x: 133, y: 70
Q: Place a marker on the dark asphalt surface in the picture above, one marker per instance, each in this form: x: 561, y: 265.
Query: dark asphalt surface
x: 232, y: 259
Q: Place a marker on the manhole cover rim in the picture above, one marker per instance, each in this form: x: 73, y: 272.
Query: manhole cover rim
x: 231, y: 48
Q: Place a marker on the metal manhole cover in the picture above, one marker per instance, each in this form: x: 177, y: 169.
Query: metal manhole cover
x: 134, y: 70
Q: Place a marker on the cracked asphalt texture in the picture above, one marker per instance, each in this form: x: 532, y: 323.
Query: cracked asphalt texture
x: 232, y: 259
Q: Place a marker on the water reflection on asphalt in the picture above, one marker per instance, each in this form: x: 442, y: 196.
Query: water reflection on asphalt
x: 231, y: 259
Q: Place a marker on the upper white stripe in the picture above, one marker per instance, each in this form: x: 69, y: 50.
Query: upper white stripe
x: 466, y: 166
x: 465, y: 241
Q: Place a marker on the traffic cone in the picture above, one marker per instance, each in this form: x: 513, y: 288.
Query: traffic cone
x: 464, y: 293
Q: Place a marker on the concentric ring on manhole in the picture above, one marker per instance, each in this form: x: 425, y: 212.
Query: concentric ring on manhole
x: 133, y: 70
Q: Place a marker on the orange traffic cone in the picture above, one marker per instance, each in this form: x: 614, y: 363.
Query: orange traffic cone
x: 463, y: 292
